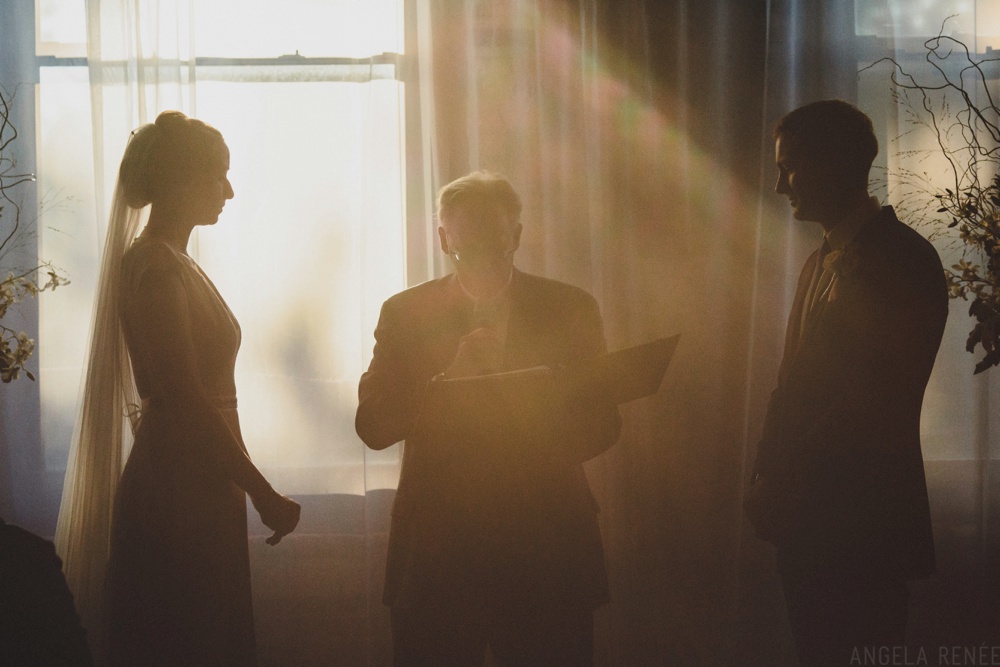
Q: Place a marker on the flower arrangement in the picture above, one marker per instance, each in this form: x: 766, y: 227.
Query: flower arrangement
x: 19, y: 284
x: 955, y: 105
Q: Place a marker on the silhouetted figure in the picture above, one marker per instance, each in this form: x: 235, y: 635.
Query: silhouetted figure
x: 839, y: 479
x: 178, y: 581
x: 494, y: 538
x: 38, y: 623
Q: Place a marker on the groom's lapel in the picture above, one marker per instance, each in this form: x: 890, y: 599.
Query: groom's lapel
x: 814, y: 317
x: 827, y: 305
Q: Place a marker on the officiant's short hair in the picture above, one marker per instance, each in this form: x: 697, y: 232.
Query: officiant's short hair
x: 833, y: 131
x: 478, y: 191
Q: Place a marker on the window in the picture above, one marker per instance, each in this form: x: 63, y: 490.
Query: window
x: 910, y: 167
x: 309, y: 100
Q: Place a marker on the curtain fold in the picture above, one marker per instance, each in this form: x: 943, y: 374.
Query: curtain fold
x: 631, y: 130
x: 639, y: 137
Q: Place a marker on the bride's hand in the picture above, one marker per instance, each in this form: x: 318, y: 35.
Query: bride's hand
x: 279, y: 513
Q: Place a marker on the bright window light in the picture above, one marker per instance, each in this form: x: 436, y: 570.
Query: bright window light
x: 311, y: 245
x: 314, y: 28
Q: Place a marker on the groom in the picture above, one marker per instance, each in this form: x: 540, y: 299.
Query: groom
x: 494, y: 538
x: 838, y: 485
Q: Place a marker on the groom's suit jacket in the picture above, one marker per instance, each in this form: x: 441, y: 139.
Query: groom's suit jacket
x: 492, y: 500
x: 840, y: 449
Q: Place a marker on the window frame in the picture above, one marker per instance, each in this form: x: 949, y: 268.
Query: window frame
x: 32, y: 495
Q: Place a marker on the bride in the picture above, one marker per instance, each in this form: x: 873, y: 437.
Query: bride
x: 177, y: 588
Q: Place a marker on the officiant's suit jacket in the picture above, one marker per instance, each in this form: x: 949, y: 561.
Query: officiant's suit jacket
x: 840, y: 448
x: 492, y: 499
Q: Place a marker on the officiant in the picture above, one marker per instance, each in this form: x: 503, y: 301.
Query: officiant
x: 494, y: 538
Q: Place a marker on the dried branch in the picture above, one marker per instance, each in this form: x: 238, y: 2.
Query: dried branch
x: 20, y: 284
x: 967, y: 135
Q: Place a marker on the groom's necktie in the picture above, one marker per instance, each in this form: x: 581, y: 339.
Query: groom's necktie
x: 820, y: 280
x: 823, y: 277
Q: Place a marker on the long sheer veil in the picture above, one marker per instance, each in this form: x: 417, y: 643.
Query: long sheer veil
x: 103, y: 432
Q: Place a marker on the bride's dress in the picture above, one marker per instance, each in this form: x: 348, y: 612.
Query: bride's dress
x: 178, y: 583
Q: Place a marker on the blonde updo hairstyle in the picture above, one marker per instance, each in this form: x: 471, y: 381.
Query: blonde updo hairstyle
x: 163, y: 154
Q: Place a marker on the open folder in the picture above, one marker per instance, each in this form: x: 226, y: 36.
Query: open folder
x: 466, y: 421
x: 621, y: 376
x: 627, y: 374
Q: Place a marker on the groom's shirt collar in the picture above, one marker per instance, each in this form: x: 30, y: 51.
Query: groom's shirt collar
x: 848, y: 227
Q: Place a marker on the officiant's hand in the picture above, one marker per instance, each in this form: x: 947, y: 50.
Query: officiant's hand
x: 479, y: 353
x: 279, y: 513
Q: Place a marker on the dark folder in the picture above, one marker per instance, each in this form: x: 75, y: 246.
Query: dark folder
x: 465, y: 421
x: 620, y: 376
x: 627, y: 374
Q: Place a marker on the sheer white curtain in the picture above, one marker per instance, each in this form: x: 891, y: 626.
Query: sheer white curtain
x: 136, y: 55
x: 305, y: 254
x: 956, y: 420
x: 629, y: 128
x: 960, y: 430
x: 313, y: 242
x: 638, y: 134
